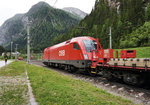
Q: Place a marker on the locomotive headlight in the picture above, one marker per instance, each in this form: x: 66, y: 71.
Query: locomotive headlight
x: 85, y: 56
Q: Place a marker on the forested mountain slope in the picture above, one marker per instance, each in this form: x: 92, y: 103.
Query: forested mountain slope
x: 126, y: 17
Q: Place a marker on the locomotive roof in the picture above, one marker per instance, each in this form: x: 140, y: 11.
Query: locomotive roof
x: 76, y: 39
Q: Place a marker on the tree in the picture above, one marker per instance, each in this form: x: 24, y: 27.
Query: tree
x: 147, y: 14
x: 1, y: 50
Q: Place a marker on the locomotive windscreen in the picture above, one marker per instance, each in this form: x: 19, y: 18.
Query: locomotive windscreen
x: 90, y: 45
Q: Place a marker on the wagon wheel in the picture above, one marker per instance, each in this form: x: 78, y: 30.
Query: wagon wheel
x: 133, y: 79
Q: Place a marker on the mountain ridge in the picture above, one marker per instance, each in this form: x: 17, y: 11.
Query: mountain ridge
x: 47, y: 23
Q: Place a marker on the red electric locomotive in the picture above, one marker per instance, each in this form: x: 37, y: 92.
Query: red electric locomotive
x: 79, y: 52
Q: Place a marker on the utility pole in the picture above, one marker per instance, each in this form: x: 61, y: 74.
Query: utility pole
x: 110, y: 37
x: 11, y: 49
x: 16, y: 52
x: 28, y: 41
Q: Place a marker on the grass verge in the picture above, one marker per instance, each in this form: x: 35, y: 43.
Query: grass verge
x: 53, y: 88
x: 13, y: 87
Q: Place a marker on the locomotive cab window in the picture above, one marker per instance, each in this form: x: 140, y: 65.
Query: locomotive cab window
x: 90, y: 45
x: 76, y: 46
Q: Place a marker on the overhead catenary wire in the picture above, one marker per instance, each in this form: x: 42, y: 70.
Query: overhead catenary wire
x: 55, y: 3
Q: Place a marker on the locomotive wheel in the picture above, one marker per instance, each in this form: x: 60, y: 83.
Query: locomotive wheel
x: 72, y: 69
x: 92, y: 72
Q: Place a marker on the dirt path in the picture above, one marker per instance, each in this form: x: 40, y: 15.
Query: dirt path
x: 2, y: 63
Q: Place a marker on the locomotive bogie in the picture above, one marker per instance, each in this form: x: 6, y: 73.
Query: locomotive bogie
x: 75, y: 63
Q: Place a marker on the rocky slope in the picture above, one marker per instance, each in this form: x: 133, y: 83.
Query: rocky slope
x: 75, y: 11
x: 11, y: 28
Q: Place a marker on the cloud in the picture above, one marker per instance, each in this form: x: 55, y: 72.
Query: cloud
x: 9, y: 8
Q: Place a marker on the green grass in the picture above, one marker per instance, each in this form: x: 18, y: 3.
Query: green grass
x: 53, y: 88
x: 50, y: 88
x: 13, y: 69
x: 13, y: 87
x: 141, y: 52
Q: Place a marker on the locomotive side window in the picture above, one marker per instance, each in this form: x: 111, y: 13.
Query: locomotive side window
x: 90, y: 45
x: 76, y: 46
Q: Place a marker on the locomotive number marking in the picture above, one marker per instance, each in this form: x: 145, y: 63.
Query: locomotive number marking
x: 62, y: 53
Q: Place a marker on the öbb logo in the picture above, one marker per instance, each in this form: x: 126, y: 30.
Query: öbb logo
x: 62, y: 53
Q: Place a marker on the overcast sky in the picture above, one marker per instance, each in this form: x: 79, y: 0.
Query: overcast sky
x: 9, y: 8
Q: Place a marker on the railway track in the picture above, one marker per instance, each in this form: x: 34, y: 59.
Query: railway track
x: 136, y: 94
